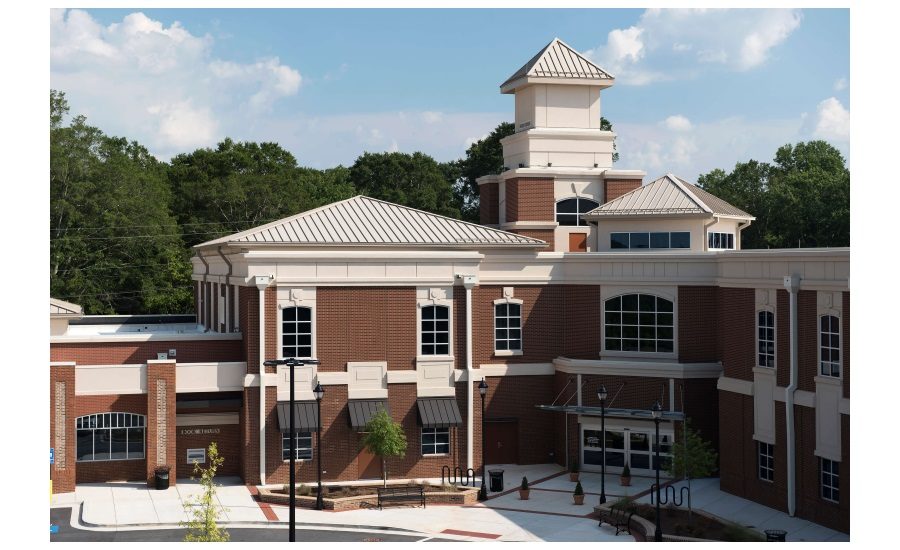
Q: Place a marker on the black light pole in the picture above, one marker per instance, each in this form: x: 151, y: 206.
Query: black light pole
x: 601, y: 393
x: 657, y: 415
x: 482, y: 389
x: 319, y: 392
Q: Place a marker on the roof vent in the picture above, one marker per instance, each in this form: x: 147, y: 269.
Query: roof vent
x: 549, y: 164
x: 521, y: 165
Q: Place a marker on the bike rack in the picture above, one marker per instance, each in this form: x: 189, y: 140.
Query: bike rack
x: 455, y: 476
x: 675, y: 497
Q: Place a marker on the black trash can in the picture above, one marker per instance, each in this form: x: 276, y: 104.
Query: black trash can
x: 496, y: 477
x: 162, y: 478
x: 775, y: 535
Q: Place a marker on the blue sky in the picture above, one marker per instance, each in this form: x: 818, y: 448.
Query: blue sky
x: 695, y: 89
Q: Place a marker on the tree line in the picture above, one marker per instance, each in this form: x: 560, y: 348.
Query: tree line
x: 122, y: 223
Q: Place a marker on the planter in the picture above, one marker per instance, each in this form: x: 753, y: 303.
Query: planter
x: 579, y: 499
x: 573, y: 476
x: 467, y: 496
x: 523, y: 494
x: 625, y: 481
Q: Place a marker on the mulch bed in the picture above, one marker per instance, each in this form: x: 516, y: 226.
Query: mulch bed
x: 677, y: 521
x: 345, y: 491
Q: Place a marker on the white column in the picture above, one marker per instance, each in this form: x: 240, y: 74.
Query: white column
x: 469, y: 282
x: 261, y: 283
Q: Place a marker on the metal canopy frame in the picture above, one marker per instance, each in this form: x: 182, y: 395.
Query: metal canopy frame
x: 638, y: 414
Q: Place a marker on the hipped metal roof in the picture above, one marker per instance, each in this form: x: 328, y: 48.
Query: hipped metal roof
x: 362, y: 411
x: 363, y: 220
x: 306, y: 417
x: 439, y: 412
x: 558, y: 60
x: 666, y: 196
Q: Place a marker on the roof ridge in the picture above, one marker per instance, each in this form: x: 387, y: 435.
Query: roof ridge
x: 690, y: 194
x: 583, y: 58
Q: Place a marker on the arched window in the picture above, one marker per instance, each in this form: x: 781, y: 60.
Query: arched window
x: 109, y: 436
x: 296, y: 332
x: 435, y: 330
x: 765, y: 339
x: 639, y: 322
x: 829, y: 346
x: 569, y: 211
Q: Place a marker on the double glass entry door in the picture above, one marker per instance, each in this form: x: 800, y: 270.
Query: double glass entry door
x: 633, y: 446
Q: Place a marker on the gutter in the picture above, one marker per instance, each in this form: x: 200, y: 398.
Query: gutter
x: 792, y: 284
x: 715, y: 220
x: 203, y: 296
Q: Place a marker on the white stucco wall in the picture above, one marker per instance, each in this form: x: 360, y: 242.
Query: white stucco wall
x: 692, y: 225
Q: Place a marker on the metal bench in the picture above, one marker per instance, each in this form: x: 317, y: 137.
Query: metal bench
x: 402, y: 493
x: 620, y: 518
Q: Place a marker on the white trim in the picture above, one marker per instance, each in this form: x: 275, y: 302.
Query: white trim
x: 518, y: 369
x: 507, y: 352
x: 610, y: 292
x: 207, y: 419
x: 802, y: 398
x: 145, y: 337
x: 767, y: 309
x: 830, y: 312
x: 645, y: 368
x: 290, y: 296
x: 440, y: 296
x: 62, y: 363
x: 508, y: 299
x: 735, y: 385
x: 528, y: 225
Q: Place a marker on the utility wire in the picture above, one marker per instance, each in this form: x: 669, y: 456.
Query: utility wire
x: 125, y: 292
x: 157, y: 225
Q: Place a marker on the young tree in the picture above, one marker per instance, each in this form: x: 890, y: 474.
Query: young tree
x: 692, y: 456
x: 384, y: 438
x: 202, y: 508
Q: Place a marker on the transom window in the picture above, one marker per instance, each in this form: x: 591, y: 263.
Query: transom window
x: 639, y: 322
x: 766, y: 461
x: 507, y: 327
x: 302, y: 446
x: 109, y: 436
x: 650, y: 240
x: 296, y: 332
x: 569, y: 211
x: 435, y: 441
x: 435, y: 330
x: 829, y: 346
x: 722, y: 241
x: 831, y: 479
x: 765, y: 339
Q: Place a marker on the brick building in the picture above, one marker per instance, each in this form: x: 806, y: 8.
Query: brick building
x: 578, y: 275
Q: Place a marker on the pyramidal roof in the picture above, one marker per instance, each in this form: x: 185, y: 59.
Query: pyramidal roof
x: 363, y: 220
x: 666, y: 196
x: 557, y: 60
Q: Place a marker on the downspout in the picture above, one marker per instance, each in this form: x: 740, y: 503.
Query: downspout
x: 469, y: 284
x: 792, y: 284
x: 228, y: 305
x: 261, y: 283
x: 202, y: 311
x: 741, y: 227
x: 705, y: 237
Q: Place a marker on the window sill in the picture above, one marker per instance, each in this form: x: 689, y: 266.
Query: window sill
x: 109, y: 459
x: 439, y: 455
x: 638, y: 354
x: 434, y: 358
x: 299, y: 460
x: 507, y: 352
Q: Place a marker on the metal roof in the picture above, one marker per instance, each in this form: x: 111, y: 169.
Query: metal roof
x: 363, y: 220
x: 559, y: 60
x: 439, y: 412
x: 60, y: 308
x: 666, y: 196
x: 306, y: 417
x: 362, y: 411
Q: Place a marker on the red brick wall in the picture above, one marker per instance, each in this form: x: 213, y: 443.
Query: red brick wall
x: 489, y: 197
x: 808, y: 322
x: 516, y: 397
x: 736, y: 331
x: 228, y: 442
x: 783, y: 337
x: 161, y: 372
x: 616, y: 188
x: 582, y: 321
x: 697, y: 324
x: 565, y: 389
x: 111, y: 470
x: 250, y: 435
x: 121, y: 353
x: 248, y: 311
x: 546, y: 235
x: 530, y: 199
x: 810, y: 505
x: 63, y: 470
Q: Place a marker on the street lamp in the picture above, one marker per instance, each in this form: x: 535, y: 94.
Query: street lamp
x: 656, y: 410
x: 482, y: 389
x: 290, y: 362
x: 319, y: 393
x: 601, y: 393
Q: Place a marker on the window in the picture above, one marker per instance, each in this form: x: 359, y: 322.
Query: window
x: 639, y: 322
x: 435, y: 330
x: 507, y: 327
x: 109, y: 436
x: 766, y: 461
x: 831, y: 479
x: 722, y: 241
x: 569, y: 211
x: 658, y: 240
x: 829, y: 346
x: 435, y: 441
x: 296, y: 332
x: 765, y: 339
x: 302, y: 446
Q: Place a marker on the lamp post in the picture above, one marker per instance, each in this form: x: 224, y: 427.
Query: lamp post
x: 319, y: 393
x: 656, y: 410
x: 482, y: 389
x: 601, y: 393
x: 290, y: 362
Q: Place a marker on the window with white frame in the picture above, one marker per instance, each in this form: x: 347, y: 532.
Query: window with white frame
x: 435, y: 330
x: 435, y: 441
x: 109, y: 436
x: 830, y: 479
x: 302, y: 446
x: 765, y: 339
x: 829, y: 346
x: 639, y: 322
x: 655, y: 240
x: 508, y: 327
x: 569, y: 211
x: 721, y: 241
x: 296, y: 332
x: 766, y: 461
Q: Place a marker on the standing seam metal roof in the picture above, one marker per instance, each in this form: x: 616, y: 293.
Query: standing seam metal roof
x: 665, y: 196
x: 559, y: 60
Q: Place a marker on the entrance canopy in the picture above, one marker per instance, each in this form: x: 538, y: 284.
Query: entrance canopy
x: 637, y: 414
x: 439, y: 412
x: 306, y: 417
x: 362, y: 411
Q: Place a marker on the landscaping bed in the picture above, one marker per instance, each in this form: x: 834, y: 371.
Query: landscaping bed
x: 678, y: 524
x: 354, y: 497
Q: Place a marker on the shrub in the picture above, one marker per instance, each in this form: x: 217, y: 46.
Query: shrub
x: 626, y: 471
x: 202, y: 508
x: 578, y: 489
x: 623, y: 503
x: 304, y: 490
x: 524, y: 485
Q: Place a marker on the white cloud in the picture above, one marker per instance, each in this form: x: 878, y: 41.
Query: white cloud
x: 470, y: 141
x: 840, y: 84
x: 668, y: 44
x: 832, y: 120
x: 432, y: 117
x: 678, y: 123
x: 185, y: 126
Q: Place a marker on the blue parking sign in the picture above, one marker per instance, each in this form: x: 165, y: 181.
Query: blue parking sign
x: 54, y: 529
x: 51, y: 455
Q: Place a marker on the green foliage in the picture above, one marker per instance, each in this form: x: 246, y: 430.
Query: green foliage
x: 384, y: 438
x: 626, y: 471
x: 623, y: 503
x: 524, y: 485
x: 202, y: 508
x: 414, y: 180
x: 483, y: 157
x: 695, y: 457
x: 578, y: 489
x: 739, y: 533
x: 607, y: 125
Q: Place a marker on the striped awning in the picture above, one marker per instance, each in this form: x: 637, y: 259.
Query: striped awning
x: 362, y: 411
x: 439, y: 412
x: 306, y: 417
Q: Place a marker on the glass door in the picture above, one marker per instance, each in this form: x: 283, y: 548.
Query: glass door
x: 634, y: 445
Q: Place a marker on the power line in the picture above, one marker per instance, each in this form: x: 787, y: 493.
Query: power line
x: 57, y: 229
x: 124, y: 292
x: 103, y: 268
x: 143, y: 236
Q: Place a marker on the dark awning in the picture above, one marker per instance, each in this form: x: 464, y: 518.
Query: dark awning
x: 362, y: 411
x: 439, y: 412
x: 306, y: 418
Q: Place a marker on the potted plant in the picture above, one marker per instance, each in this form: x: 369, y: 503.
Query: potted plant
x: 573, y: 470
x: 625, y: 478
x: 523, y: 489
x: 578, y: 495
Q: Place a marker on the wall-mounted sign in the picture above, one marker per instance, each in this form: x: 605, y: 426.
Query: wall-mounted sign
x: 198, y: 431
x: 196, y: 456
